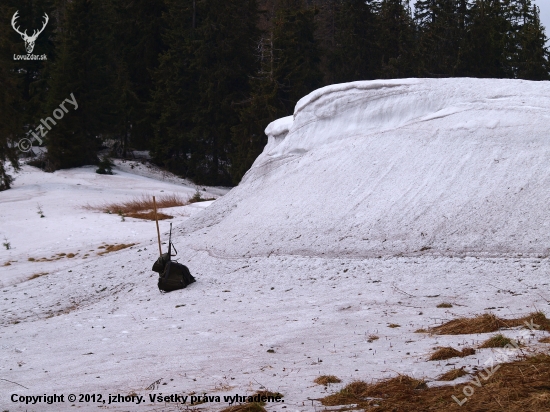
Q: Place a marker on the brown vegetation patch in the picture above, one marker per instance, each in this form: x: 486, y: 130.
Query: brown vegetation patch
x: 545, y: 340
x: 452, y: 375
x: 445, y: 305
x: 326, y: 379
x: 149, y: 216
x: 7, y: 264
x: 497, y: 341
x: 448, y: 353
x: 37, y: 275
x: 357, y: 392
x: 488, y: 322
x: 514, y: 387
x: 114, y: 248
x: 140, y: 204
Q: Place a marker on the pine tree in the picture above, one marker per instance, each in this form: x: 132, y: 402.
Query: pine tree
x: 11, y: 124
x: 264, y: 105
x: 135, y: 47
x: 202, y: 77
x: 82, y: 69
x: 531, y: 54
x: 176, y: 90
x: 296, y: 51
x: 486, y: 49
x: 356, y: 54
x: 396, y: 40
x: 441, y: 30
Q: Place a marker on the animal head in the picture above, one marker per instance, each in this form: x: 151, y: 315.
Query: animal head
x: 29, y: 40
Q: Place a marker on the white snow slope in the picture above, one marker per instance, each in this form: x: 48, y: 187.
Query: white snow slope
x: 389, y: 167
x: 373, y: 204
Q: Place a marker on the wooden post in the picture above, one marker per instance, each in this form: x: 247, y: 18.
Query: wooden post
x: 156, y: 220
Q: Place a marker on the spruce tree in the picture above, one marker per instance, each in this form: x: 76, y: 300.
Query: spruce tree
x: 356, y: 54
x: 134, y: 46
x: 82, y: 68
x: 296, y: 51
x: 531, y: 54
x: 11, y: 124
x: 176, y: 92
x: 440, y: 33
x: 396, y: 40
x: 202, y: 77
x: 264, y: 105
x: 486, y: 50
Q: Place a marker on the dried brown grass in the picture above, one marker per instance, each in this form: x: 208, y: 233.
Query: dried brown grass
x: 326, y: 379
x: 497, y: 341
x: 140, y: 203
x: 488, y: 322
x: 520, y: 386
x: 448, y: 353
x: 149, y: 216
x: 545, y: 340
x: 37, y: 275
x: 452, y: 375
x: 114, y: 248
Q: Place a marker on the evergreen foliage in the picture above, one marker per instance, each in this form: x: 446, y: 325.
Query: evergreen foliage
x: 196, y: 82
x: 82, y: 68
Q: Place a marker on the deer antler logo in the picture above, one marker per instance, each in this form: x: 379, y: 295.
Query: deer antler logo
x: 29, y: 40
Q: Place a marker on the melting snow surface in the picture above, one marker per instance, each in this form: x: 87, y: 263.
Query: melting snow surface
x: 373, y: 204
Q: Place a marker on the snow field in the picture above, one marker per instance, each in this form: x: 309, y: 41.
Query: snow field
x: 373, y: 204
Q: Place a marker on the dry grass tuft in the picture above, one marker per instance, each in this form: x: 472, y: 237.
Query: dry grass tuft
x: 140, y: 204
x: 326, y: 379
x: 394, y: 325
x: 452, y: 375
x: 7, y: 264
x: 372, y: 338
x: 514, y: 387
x: 545, y: 340
x: 356, y: 392
x: 488, y: 322
x: 497, y: 341
x: 114, y: 248
x: 149, y: 216
x: 448, y: 353
x: 37, y: 275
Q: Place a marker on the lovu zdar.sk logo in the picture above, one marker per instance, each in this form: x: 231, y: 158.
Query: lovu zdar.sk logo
x: 29, y: 40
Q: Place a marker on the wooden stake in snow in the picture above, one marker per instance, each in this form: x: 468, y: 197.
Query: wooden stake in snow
x: 156, y: 220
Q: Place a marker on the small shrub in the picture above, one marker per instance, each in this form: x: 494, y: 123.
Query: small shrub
x: 444, y: 305
x: 6, y: 244
x: 394, y: 325
x: 105, y: 167
x: 372, y: 338
x: 326, y: 380
x: 197, y: 197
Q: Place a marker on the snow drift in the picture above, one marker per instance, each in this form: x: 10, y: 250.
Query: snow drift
x: 447, y: 166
